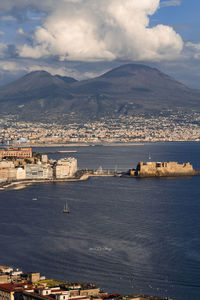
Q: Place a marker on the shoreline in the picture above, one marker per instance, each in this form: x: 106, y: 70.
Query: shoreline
x: 105, y: 144
x: 86, y: 145
x: 21, y: 184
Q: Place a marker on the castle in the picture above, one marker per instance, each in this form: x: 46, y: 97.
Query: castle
x: 159, y: 169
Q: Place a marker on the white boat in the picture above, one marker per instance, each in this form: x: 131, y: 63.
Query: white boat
x: 66, y: 209
x: 34, y: 198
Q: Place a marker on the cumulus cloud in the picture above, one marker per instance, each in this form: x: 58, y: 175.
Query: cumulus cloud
x: 194, y: 49
x: 9, y: 66
x: 96, y: 30
x: 170, y: 3
x: 13, y: 69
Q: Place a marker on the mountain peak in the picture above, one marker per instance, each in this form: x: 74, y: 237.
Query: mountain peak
x: 38, y: 73
x: 126, y: 70
x: 129, y: 89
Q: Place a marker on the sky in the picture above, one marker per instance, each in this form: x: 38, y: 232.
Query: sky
x: 85, y: 38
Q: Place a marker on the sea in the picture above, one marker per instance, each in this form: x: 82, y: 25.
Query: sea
x: 127, y: 235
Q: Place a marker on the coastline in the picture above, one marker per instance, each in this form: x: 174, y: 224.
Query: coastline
x: 88, y: 144
x: 105, y: 144
x: 21, y: 184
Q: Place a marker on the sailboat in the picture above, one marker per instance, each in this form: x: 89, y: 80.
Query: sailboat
x: 66, y: 209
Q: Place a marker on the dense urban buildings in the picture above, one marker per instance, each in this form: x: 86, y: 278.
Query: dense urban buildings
x: 169, y: 126
x: 15, y: 167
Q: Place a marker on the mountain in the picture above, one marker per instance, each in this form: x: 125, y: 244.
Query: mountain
x: 129, y: 89
x: 66, y: 79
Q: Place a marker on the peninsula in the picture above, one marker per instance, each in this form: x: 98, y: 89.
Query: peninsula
x: 21, y: 166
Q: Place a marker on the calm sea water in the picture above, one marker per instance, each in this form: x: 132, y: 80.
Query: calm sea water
x: 127, y: 235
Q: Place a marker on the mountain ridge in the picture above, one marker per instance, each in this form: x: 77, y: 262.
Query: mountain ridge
x: 127, y: 90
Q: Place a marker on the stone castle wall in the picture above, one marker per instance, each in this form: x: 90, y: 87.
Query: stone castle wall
x: 163, y: 169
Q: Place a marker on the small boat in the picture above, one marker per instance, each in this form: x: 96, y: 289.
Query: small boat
x: 34, y: 198
x: 66, y: 209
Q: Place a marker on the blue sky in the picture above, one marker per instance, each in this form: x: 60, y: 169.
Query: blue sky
x: 84, y: 38
x: 185, y: 18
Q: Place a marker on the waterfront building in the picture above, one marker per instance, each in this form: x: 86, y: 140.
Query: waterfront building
x: 5, y: 269
x: 58, y: 295
x: 65, y: 168
x: 44, y: 158
x: 163, y: 169
x: 33, y: 277
x: 31, y: 286
x: 20, y: 173
x: 38, y: 171
x: 7, y: 171
x: 4, y: 278
x: 16, y: 152
x: 90, y: 292
x: 13, y: 291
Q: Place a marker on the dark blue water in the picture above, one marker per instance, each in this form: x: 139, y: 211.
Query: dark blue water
x: 127, y: 235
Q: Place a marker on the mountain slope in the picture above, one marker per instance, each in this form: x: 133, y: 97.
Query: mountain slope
x: 34, y: 84
x: 128, y: 89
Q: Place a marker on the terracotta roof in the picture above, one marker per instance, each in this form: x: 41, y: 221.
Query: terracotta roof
x: 14, y: 287
x: 36, y: 295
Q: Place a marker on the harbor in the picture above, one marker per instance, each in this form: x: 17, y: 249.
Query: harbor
x: 150, y: 225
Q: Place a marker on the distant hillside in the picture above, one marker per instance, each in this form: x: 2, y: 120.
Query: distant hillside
x: 129, y: 89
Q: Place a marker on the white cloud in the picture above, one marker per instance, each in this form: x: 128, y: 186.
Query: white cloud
x: 194, y: 50
x: 12, y: 68
x: 36, y: 52
x: 96, y: 30
x: 20, y: 31
x: 9, y: 66
x: 53, y: 70
x: 170, y: 3
x: 3, y: 48
x: 7, y: 19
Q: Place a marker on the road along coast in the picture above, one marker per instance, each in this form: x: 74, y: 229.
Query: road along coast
x: 17, y: 185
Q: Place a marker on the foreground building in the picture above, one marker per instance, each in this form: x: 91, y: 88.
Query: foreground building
x: 65, y: 168
x: 38, y: 171
x: 31, y: 286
